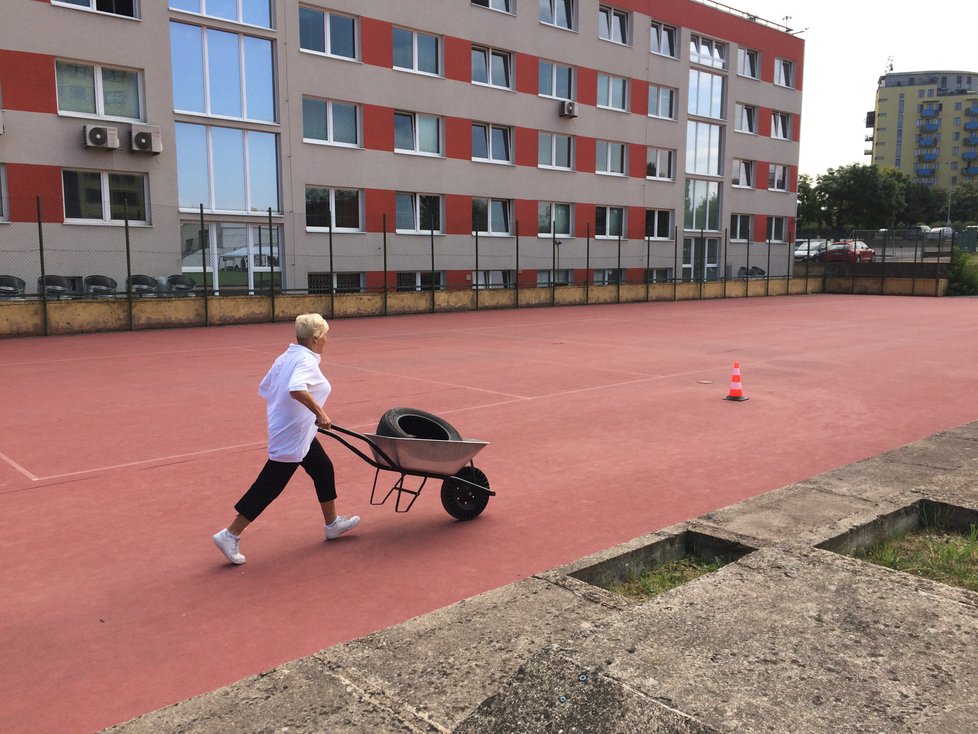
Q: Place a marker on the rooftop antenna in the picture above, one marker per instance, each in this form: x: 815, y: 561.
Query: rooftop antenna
x: 889, y: 64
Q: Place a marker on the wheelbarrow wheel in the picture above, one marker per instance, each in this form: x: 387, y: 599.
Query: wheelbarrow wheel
x: 459, y: 499
x: 414, y: 423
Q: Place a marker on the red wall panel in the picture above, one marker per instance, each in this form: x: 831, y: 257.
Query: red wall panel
x: 637, y: 157
x: 378, y: 127
x: 527, y: 73
x: 640, y: 97
x: 526, y: 147
x: 458, y: 138
x: 377, y: 203
x: 587, y: 86
x: 377, y: 42
x: 636, y: 223
x: 25, y: 182
x: 458, y: 214
x: 526, y: 217
x: 584, y: 155
x: 28, y: 82
x: 458, y: 59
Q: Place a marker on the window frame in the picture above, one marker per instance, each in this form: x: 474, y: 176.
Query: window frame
x: 332, y: 210
x: 508, y: 206
x: 703, y: 92
x: 657, y: 152
x: 416, y: 202
x: 784, y: 73
x: 773, y: 179
x: 554, y: 66
x: 617, y: 18
x: 99, y: 91
x: 771, y: 228
x: 654, y: 216
x: 414, y: 68
x: 416, y: 132
x: 659, y: 30
x: 622, y: 225
x: 571, y: 16
x: 328, y: 15
x: 330, y: 127
x: 712, y: 164
x: 488, y: 5
x: 745, y: 113
x: 712, y: 192
x: 91, y: 7
x: 489, y: 52
x: 490, y: 139
x: 780, y: 122
x: 239, y: 13
x: 737, y: 222
x: 608, y: 157
x: 742, y: 169
x: 553, y: 151
x: 105, y: 192
x: 718, y: 56
x: 743, y: 56
x: 420, y: 276
x: 673, y: 101
x: 551, y: 233
x: 611, y: 81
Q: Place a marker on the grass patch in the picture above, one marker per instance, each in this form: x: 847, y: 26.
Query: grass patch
x: 932, y: 552
x: 667, y: 576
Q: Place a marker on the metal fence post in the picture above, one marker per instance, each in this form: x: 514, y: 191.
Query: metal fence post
x: 767, y: 274
x: 587, y: 266
x: 431, y: 227
x: 618, y: 290
x: 203, y: 262
x: 675, y: 263
x: 271, y: 260
x: 40, y: 249
x: 517, y: 274
x: 476, y: 269
x: 648, y: 262
x: 384, y: 243
x: 125, y: 218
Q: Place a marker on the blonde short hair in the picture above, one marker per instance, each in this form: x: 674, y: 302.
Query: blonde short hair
x: 310, y: 326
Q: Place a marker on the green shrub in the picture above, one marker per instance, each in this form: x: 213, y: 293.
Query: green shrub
x: 963, y: 274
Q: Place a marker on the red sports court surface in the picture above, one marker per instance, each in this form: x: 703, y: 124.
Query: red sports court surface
x: 120, y: 454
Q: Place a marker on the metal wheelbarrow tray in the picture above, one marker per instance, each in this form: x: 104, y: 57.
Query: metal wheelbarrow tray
x: 465, y: 489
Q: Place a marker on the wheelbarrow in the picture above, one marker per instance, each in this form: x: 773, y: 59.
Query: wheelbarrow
x: 464, y: 488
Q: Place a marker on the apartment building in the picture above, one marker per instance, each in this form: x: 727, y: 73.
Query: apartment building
x: 925, y: 123
x: 355, y: 145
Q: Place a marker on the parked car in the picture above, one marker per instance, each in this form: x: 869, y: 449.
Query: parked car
x: 808, y: 249
x: 941, y: 233
x: 848, y: 251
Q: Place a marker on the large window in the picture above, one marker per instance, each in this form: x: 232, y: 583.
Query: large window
x: 662, y: 102
x: 701, y: 258
x: 227, y: 169
x: 95, y: 90
x: 492, y: 67
x: 418, y: 213
x: 415, y: 51
x: 748, y: 63
x: 222, y: 74
x: 417, y: 133
x: 328, y: 121
x: 555, y: 151
x: 611, y: 157
x: 743, y: 173
x: 705, y: 94
x: 238, y: 257
x: 658, y: 223
x: 707, y: 52
x: 660, y: 164
x: 612, y: 92
x: 335, y: 283
x: 492, y: 216
x: 491, y: 143
x: 702, y: 205
x: 556, y: 80
x: 504, y: 6
x: 745, y: 119
x: 336, y: 209
x: 784, y: 73
x: 609, y: 222
x: 559, y: 13
x: 103, y: 196
x: 703, y: 154
x: 128, y: 8
x: 420, y: 280
x: 662, y: 40
x: 328, y: 33
x: 613, y: 24
x: 553, y: 218
x: 777, y: 177
x: 781, y: 125
x: 251, y: 12
x: 740, y: 227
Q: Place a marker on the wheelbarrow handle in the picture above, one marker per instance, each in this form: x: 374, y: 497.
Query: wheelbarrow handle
x: 334, y: 429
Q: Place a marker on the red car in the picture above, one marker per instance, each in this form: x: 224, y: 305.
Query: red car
x: 848, y: 251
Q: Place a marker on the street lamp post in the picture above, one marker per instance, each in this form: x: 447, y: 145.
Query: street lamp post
x: 950, y: 185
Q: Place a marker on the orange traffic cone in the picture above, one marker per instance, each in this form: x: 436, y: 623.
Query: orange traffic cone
x: 736, y: 389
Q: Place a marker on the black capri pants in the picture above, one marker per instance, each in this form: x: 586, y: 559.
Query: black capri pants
x: 276, y: 474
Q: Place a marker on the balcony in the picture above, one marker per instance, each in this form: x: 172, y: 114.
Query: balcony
x: 970, y: 171
x: 924, y: 171
x: 972, y: 111
x: 927, y: 157
x: 969, y: 155
x: 927, y: 141
x: 971, y: 140
x: 870, y: 119
x: 972, y: 125
x: 929, y: 112
x: 869, y: 138
x: 931, y: 127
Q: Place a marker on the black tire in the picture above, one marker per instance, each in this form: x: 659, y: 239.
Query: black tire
x: 462, y: 501
x: 414, y: 423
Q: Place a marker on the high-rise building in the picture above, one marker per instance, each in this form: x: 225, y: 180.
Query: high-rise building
x: 925, y: 124
x: 333, y: 141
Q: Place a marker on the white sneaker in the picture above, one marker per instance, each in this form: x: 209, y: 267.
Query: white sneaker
x: 340, y: 525
x: 228, y: 545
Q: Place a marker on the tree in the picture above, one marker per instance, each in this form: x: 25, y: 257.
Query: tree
x: 922, y: 204
x: 964, y: 202
x: 811, y: 201
x: 860, y: 197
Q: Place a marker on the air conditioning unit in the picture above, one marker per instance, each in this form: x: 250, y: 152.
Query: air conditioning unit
x: 568, y: 108
x: 99, y: 136
x: 146, y: 139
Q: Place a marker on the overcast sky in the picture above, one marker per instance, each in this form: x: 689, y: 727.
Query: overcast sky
x: 848, y: 44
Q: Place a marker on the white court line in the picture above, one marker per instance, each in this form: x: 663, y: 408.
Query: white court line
x: 18, y: 467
